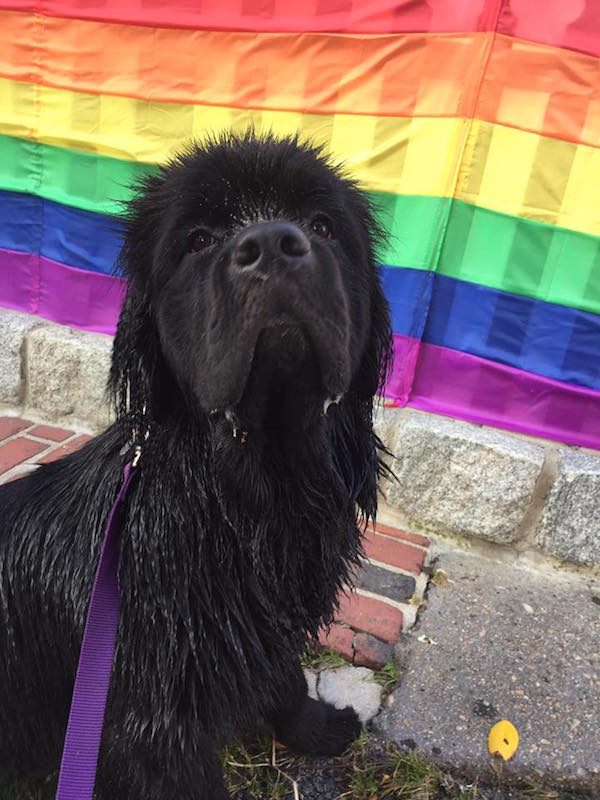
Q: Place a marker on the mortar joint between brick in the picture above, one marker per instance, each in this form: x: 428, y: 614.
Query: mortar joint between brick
x: 19, y: 434
x: 49, y: 442
x: 387, y: 600
x: 389, y: 567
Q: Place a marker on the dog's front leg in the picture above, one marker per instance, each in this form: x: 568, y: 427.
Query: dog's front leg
x: 308, y: 726
x: 155, y: 770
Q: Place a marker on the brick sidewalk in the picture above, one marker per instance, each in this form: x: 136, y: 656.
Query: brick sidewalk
x: 23, y: 444
x: 390, y: 585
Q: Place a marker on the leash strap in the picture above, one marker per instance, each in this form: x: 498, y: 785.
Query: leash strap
x: 86, y: 718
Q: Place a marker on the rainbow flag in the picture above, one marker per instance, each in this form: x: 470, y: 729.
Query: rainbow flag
x: 473, y: 124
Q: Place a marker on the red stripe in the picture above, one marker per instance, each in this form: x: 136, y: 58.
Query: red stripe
x: 360, y: 16
x: 572, y: 24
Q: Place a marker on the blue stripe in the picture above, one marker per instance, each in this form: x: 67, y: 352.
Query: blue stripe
x: 78, y: 238
x: 548, y: 339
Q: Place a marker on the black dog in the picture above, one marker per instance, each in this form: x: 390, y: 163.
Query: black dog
x: 252, y: 339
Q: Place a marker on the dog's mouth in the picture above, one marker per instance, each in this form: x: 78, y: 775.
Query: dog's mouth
x: 276, y: 357
x: 285, y: 386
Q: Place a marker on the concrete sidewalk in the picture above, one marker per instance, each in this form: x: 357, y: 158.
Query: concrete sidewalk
x: 501, y: 640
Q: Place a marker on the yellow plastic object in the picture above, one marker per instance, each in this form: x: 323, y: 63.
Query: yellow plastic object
x: 503, y: 740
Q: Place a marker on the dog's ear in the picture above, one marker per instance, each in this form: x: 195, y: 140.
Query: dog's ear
x: 371, y: 376
x: 136, y: 352
x: 357, y: 452
x: 376, y: 361
x: 134, y: 356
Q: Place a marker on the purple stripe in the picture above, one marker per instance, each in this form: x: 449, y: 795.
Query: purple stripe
x: 88, y: 704
x: 76, y: 297
x: 462, y: 385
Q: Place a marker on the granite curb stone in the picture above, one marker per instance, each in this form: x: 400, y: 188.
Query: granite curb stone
x: 66, y: 374
x: 460, y: 478
x: 569, y: 527
x: 13, y: 329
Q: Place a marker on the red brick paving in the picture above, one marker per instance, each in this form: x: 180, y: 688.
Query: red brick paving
x: 408, y: 536
x: 339, y: 638
x: 17, y: 451
x: 366, y: 627
x: 49, y: 432
x: 394, y: 552
x: 11, y: 425
x: 369, y: 651
x: 18, y: 448
x: 371, y: 616
x: 65, y: 449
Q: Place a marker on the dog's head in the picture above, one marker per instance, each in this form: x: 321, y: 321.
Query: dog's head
x: 253, y: 294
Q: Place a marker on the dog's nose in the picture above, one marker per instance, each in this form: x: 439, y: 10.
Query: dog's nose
x: 259, y: 244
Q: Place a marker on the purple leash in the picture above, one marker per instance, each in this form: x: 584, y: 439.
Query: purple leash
x: 86, y: 718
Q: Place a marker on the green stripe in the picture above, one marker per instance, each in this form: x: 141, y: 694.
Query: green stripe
x: 503, y: 252
x: 522, y: 256
x: 512, y: 254
x: 414, y: 225
x: 84, y: 180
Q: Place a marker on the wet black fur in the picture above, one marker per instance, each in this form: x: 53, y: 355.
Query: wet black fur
x: 233, y: 549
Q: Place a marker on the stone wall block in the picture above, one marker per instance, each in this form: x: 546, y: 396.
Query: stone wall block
x: 13, y: 329
x: 458, y: 478
x: 66, y: 374
x: 569, y: 527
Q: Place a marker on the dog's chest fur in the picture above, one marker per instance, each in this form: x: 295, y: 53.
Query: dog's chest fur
x: 220, y: 587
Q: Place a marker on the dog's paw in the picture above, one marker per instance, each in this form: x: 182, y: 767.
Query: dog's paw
x: 318, y: 729
x: 340, y: 728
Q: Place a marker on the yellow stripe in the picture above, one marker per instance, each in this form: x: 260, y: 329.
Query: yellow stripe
x: 532, y: 176
x: 507, y: 170
x: 140, y: 130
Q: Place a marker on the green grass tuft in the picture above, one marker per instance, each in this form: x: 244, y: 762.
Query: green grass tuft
x: 384, y: 772
x: 388, y: 676
x: 318, y: 658
x: 250, y: 768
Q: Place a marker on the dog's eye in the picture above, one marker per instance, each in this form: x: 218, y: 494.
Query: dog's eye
x: 322, y: 226
x: 200, y: 239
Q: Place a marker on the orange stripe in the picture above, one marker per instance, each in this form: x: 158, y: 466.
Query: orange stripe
x: 535, y: 87
x: 316, y: 72
x: 544, y: 89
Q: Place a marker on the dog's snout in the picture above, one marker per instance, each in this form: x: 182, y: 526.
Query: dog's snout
x: 247, y: 251
x: 259, y: 244
x: 293, y: 242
